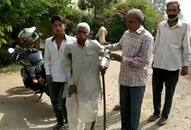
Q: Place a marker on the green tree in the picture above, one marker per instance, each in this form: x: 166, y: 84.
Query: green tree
x: 95, y: 6
x: 113, y: 17
x: 160, y: 5
x: 4, y: 27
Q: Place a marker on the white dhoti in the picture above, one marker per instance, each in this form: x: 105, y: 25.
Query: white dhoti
x: 80, y: 113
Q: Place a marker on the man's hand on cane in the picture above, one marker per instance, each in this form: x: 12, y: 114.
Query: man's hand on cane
x: 116, y: 57
x: 72, y: 89
x: 102, y: 70
x: 184, y: 71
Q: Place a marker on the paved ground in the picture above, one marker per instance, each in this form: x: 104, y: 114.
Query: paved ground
x: 19, y: 109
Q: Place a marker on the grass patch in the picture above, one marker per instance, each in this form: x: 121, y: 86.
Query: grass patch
x: 10, y: 68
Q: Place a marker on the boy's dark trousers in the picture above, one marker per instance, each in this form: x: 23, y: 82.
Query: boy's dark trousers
x: 56, y: 90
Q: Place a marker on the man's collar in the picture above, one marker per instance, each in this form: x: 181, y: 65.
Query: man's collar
x: 85, y: 44
x: 65, y: 37
x: 178, y: 24
x: 140, y: 29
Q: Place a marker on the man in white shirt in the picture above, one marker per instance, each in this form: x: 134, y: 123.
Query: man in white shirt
x: 54, y: 66
x: 85, y: 79
x: 171, y: 54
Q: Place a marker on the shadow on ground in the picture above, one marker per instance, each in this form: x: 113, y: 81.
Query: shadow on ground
x: 20, y: 110
x: 145, y: 123
x: 113, y: 117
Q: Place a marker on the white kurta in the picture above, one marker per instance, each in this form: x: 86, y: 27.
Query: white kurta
x: 86, y: 76
x: 85, y: 67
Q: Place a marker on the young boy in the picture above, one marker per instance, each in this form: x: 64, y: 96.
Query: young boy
x: 54, y: 50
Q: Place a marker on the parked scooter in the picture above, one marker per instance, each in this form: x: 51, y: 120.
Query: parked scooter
x: 30, y: 57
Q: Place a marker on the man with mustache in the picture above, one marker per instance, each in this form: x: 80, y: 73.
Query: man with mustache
x: 171, y: 55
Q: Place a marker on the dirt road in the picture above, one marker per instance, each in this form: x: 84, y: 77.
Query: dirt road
x: 19, y: 109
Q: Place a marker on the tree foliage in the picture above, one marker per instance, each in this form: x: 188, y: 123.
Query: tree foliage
x: 4, y: 26
x: 114, y: 17
x: 95, y: 6
x: 160, y: 5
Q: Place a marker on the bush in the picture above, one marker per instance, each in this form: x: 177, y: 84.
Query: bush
x: 4, y: 56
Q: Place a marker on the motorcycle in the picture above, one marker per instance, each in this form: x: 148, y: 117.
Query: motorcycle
x: 30, y: 57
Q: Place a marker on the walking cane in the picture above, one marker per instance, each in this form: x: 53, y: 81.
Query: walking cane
x: 104, y: 64
x: 104, y: 102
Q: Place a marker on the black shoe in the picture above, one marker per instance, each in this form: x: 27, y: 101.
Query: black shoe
x: 117, y: 108
x: 58, y: 126
x: 153, y: 118
x: 162, y: 121
x: 66, y: 126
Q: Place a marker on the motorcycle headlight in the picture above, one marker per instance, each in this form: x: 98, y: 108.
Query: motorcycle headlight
x: 11, y: 50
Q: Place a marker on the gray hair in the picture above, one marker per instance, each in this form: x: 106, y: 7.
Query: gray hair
x: 136, y: 12
x: 173, y: 2
x: 84, y: 25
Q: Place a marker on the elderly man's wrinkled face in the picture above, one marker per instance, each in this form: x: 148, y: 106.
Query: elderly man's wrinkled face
x: 173, y: 11
x: 82, y: 33
x: 133, y: 22
x: 58, y: 27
